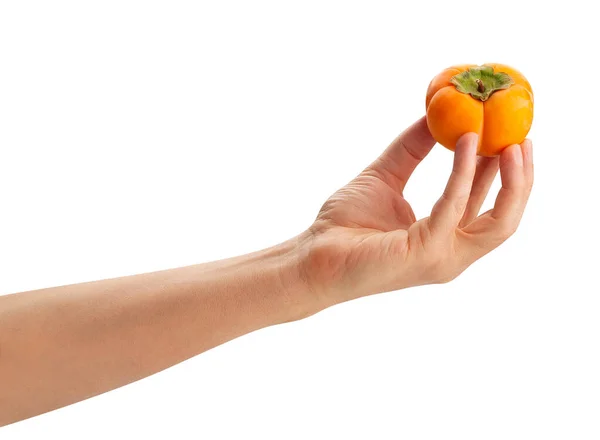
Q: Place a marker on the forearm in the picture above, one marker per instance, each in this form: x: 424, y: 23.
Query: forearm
x: 65, y: 344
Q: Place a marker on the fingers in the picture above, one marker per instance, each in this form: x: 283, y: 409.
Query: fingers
x: 487, y: 168
x: 516, y: 171
x: 512, y: 196
x: 448, y: 250
x: 400, y: 159
x: 450, y: 208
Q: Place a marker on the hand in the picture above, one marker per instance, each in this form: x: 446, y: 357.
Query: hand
x: 367, y: 240
x: 101, y: 335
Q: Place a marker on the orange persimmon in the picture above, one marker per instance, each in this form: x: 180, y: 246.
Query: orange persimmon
x: 493, y: 100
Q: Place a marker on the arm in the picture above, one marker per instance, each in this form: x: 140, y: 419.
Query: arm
x: 65, y: 344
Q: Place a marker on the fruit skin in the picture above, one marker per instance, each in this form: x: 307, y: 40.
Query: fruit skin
x: 502, y: 120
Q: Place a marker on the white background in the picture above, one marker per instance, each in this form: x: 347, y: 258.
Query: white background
x: 144, y: 135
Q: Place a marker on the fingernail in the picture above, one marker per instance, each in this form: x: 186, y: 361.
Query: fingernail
x: 474, y: 139
x: 528, y: 149
x: 518, y: 155
x: 470, y: 140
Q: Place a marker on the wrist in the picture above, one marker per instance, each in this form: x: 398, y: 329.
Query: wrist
x: 332, y: 267
x: 301, y: 295
x: 316, y: 277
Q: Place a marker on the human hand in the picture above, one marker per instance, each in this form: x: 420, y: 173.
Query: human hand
x: 366, y: 238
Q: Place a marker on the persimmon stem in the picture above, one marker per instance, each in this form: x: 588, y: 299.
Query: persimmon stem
x: 481, y: 81
x: 480, y: 86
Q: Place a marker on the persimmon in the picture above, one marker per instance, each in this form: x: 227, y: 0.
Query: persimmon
x: 493, y: 100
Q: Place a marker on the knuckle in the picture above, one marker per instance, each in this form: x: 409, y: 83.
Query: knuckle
x: 446, y: 276
x: 447, y: 279
x: 441, y: 270
x: 385, y: 171
x: 507, y: 229
x: 376, y: 169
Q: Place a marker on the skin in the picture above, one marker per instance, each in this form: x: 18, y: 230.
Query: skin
x: 65, y: 344
x: 504, y: 119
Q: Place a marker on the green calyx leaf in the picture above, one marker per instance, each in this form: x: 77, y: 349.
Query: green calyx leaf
x: 480, y: 82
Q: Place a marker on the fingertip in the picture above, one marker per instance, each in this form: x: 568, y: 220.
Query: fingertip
x: 423, y: 128
x: 467, y: 143
x: 468, y: 138
x: 417, y: 137
x: 512, y: 154
x: 527, y: 147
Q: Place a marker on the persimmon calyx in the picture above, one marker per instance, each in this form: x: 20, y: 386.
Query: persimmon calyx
x: 480, y: 82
